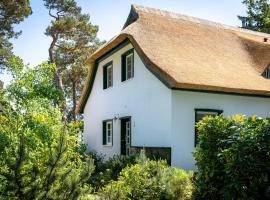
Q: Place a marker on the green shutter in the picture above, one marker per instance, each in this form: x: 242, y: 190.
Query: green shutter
x: 104, y: 133
x: 104, y: 77
x: 123, y: 68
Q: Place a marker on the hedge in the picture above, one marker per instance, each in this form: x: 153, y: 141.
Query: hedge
x: 233, y: 158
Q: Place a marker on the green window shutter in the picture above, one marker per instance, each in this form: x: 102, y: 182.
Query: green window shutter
x: 123, y: 68
x: 104, y: 133
x: 104, y: 77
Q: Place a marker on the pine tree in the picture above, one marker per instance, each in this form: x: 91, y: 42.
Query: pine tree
x: 39, y: 156
x: 73, y: 39
x: 11, y: 12
x: 258, y: 15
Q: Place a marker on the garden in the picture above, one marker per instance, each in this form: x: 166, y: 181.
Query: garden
x: 42, y: 153
x: 42, y: 156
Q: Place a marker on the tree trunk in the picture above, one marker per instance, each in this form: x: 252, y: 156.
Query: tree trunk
x: 58, y: 78
x: 74, y: 99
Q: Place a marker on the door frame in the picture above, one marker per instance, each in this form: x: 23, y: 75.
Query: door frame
x: 123, y: 118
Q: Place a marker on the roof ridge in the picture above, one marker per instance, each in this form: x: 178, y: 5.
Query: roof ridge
x: 195, y: 20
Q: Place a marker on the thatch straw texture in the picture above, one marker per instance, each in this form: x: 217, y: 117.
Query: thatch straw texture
x: 191, y: 53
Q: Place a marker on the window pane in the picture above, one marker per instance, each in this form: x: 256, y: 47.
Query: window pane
x: 129, y: 66
x: 108, y: 125
x: 200, y: 115
x: 109, y: 139
x: 109, y: 76
x: 109, y: 132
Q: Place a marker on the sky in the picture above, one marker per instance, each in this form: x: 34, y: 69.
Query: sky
x: 110, y: 16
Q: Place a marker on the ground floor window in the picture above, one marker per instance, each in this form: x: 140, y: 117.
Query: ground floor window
x: 201, y: 113
x: 108, y: 132
x: 125, y: 135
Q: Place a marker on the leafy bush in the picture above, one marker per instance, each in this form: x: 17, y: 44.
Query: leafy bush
x: 233, y: 158
x: 109, y: 170
x: 38, y: 151
x: 149, y: 180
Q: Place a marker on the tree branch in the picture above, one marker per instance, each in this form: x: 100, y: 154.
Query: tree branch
x: 52, y: 14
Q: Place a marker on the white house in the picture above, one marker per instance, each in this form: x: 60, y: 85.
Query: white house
x: 149, y: 85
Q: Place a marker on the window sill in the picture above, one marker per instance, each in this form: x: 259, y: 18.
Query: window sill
x: 108, y: 88
x: 128, y: 80
x: 107, y: 145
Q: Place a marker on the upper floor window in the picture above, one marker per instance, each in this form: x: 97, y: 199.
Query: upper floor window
x: 266, y: 73
x: 128, y: 65
x: 108, y: 132
x: 108, y: 75
x: 201, y: 113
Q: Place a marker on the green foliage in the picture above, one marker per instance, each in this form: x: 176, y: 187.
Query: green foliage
x: 11, y: 12
x: 258, y: 15
x: 233, y: 158
x: 109, y: 170
x: 32, y: 83
x: 38, y: 151
x: 74, y: 38
x: 150, y: 180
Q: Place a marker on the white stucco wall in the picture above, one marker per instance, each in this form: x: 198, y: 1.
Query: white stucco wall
x: 144, y: 98
x: 183, y: 118
x: 160, y: 117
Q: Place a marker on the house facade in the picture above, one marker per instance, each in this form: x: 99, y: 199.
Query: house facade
x: 149, y: 85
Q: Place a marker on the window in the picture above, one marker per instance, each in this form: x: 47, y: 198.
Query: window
x: 128, y: 65
x: 108, y: 132
x: 266, y: 73
x: 108, y: 75
x: 128, y: 138
x: 201, y: 113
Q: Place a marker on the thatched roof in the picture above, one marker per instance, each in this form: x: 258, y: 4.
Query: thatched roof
x: 193, y: 54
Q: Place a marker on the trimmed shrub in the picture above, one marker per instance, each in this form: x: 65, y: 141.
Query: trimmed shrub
x: 233, y: 158
x: 149, y: 180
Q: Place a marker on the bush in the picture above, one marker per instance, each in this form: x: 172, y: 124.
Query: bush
x: 109, y: 170
x: 149, y: 180
x: 233, y: 158
x: 38, y: 151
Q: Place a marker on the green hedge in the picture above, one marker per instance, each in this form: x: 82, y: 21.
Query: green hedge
x: 233, y: 158
x: 149, y: 180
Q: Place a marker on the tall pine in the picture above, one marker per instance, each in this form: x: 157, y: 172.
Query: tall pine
x: 11, y: 12
x: 74, y: 38
x: 258, y: 15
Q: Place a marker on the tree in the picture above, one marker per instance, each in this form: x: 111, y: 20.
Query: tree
x: 11, y: 12
x: 39, y: 156
x: 73, y: 39
x: 258, y: 15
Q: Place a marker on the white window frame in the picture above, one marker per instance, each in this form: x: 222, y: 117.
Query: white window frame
x: 109, y: 67
x: 131, y: 56
x: 109, y: 130
x: 128, y: 137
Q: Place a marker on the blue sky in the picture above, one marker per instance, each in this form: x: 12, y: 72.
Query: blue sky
x: 110, y: 16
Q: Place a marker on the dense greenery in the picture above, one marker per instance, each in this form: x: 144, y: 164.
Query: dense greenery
x: 258, y: 15
x: 149, y: 180
x: 107, y: 170
x: 11, y: 12
x: 39, y: 156
x: 233, y: 158
x: 74, y: 38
